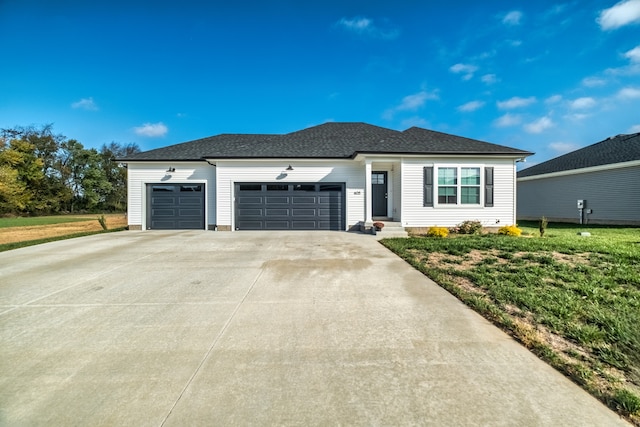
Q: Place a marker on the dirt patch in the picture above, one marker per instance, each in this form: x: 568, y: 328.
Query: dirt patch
x: 21, y: 234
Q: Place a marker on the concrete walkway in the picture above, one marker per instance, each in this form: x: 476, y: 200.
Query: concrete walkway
x: 257, y: 328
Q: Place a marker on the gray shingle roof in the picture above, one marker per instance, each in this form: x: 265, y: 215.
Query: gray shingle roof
x: 618, y: 149
x: 327, y: 141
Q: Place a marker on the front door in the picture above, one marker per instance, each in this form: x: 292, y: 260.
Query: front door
x: 379, y: 194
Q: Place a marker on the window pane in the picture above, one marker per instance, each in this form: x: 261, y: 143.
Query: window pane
x: 250, y: 187
x: 377, y: 178
x: 196, y: 188
x: 304, y: 187
x: 163, y: 188
x: 470, y: 176
x: 447, y: 195
x: 277, y: 187
x: 330, y: 187
x: 470, y: 195
x: 447, y: 176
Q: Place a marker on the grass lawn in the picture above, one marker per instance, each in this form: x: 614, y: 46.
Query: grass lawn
x: 39, y: 220
x: 20, y: 232
x: 572, y: 300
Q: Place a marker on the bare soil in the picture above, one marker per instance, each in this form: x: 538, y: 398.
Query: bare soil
x: 21, y: 234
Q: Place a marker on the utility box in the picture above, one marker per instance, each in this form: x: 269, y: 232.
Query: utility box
x: 582, y: 204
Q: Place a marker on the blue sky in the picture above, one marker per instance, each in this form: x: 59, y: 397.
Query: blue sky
x: 543, y: 76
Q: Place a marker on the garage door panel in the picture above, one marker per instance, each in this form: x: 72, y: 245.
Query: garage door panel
x: 296, y: 206
x: 276, y: 212
x: 282, y: 200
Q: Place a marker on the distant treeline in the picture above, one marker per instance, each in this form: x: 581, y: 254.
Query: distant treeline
x: 46, y: 173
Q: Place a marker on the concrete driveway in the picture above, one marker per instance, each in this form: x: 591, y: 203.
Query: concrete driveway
x: 256, y: 328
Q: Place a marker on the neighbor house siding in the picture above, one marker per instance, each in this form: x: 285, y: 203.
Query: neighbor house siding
x: 142, y: 173
x: 348, y: 172
x: 612, y: 195
x: 415, y: 214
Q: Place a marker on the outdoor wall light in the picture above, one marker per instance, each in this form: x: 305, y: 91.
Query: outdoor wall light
x: 289, y: 168
x: 171, y: 169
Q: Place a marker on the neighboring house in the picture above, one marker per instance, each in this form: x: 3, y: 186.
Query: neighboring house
x: 605, y: 176
x: 336, y: 176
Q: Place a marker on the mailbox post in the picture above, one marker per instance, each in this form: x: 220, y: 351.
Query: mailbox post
x: 581, y: 205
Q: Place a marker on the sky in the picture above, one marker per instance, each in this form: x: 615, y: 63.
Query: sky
x: 543, y: 76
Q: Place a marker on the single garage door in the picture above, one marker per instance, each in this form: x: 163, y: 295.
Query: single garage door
x: 299, y: 206
x: 175, y: 206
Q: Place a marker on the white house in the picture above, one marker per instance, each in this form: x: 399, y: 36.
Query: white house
x: 336, y: 176
x: 597, y: 184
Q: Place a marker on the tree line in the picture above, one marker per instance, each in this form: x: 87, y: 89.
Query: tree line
x: 45, y: 173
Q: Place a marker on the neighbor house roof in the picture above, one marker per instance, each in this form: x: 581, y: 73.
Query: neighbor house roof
x: 327, y: 141
x: 617, y: 149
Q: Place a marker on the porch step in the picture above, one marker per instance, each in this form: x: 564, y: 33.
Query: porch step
x: 391, y: 229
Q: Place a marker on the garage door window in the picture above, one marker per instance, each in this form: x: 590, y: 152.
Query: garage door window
x: 304, y: 187
x: 163, y: 189
x: 190, y: 188
x: 277, y: 187
x: 250, y: 187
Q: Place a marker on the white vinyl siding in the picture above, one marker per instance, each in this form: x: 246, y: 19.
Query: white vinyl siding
x: 415, y: 214
x: 142, y: 173
x: 351, y: 173
x: 613, y: 196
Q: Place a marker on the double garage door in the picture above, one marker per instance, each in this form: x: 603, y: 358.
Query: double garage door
x: 298, y: 206
x: 175, y: 206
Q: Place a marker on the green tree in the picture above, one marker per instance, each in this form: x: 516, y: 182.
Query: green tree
x: 23, y: 171
x: 116, y: 173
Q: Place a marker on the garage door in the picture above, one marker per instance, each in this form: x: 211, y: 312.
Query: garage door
x: 175, y: 206
x: 299, y: 206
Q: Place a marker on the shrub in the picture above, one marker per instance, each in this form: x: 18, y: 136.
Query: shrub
x: 440, y: 232
x: 469, y: 227
x: 510, y: 230
x: 103, y: 222
x: 542, y: 225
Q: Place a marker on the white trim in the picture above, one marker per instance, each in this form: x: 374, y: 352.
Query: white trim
x: 458, y: 204
x: 610, y: 166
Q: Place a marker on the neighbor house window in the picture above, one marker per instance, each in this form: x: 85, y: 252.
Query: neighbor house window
x: 458, y: 186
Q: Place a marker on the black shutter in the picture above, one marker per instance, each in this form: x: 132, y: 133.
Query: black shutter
x: 488, y: 187
x: 428, y: 186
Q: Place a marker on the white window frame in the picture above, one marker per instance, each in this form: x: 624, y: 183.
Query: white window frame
x: 458, y: 186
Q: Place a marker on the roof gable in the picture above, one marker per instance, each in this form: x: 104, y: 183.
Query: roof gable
x: 618, y: 149
x: 329, y: 141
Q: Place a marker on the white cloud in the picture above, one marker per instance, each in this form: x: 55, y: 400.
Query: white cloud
x: 507, y: 120
x: 582, y: 103
x: 634, y: 129
x: 85, y: 104
x: 539, y: 126
x: 365, y: 27
x: 415, y: 101
x: 489, y: 79
x: 411, y: 103
x: 577, y: 116
x: 516, y: 102
x: 563, y: 147
x: 593, y: 81
x: 515, y: 43
x: 633, y: 55
x: 621, y: 14
x: 628, y: 93
x: 466, y: 69
x: 512, y: 18
x: 151, y: 130
x: 553, y: 99
x: 471, y: 106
